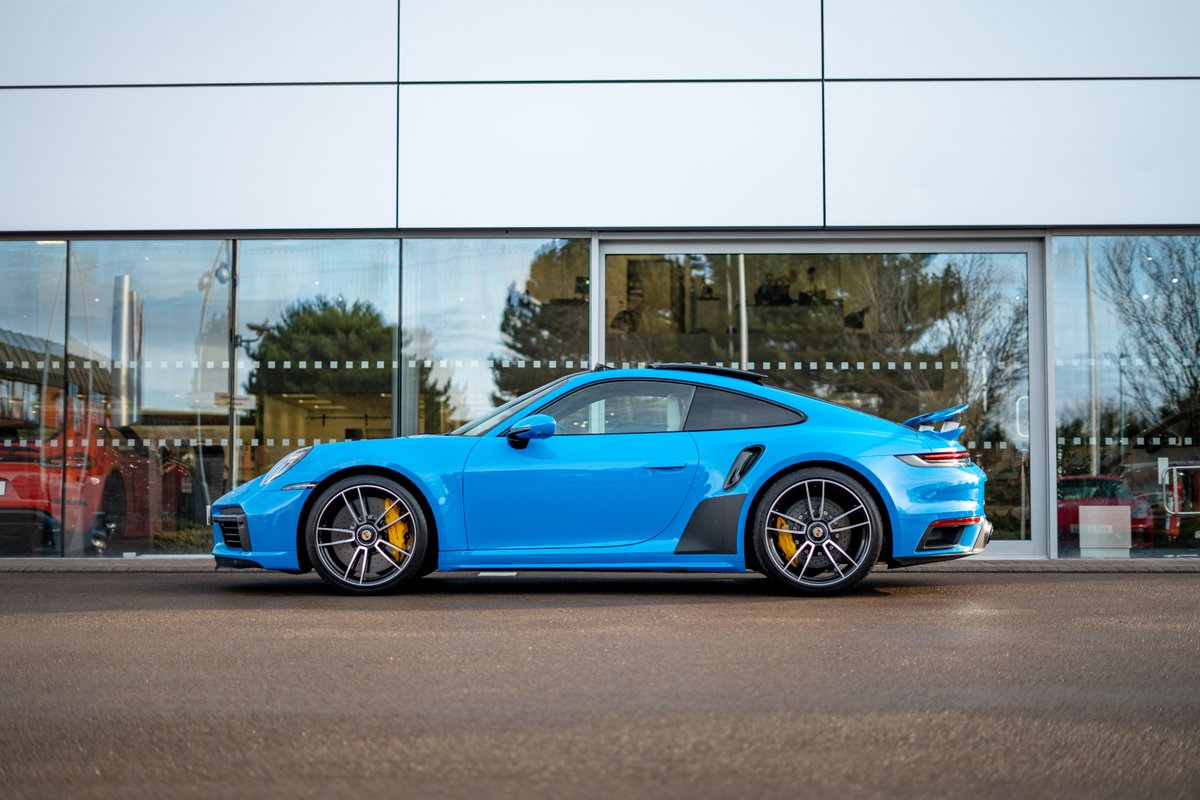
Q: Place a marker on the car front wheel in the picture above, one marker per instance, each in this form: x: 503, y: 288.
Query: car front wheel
x: 366, y: 535
x: 817, y: 531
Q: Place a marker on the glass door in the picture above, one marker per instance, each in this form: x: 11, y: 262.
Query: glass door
x: 1127, y: 396
x: 893, y: 330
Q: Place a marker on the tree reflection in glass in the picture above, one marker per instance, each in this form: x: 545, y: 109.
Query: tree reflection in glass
x: 1127, y: 340
x: 893, y: 334
x: 494, y: 318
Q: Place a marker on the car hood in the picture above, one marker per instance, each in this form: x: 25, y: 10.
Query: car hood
x: 422, y: 459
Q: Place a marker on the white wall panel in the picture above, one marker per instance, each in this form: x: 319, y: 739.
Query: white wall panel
x: 68, y: 42
x: 1013, y: 153
x: 1011, y: 39
x: 597, y: 155
x: 196, y: 158
x: 522, y: 40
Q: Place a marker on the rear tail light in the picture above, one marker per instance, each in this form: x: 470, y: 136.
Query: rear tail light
x: 946, y: 458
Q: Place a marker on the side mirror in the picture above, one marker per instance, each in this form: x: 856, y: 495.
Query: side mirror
x: 538, y: 426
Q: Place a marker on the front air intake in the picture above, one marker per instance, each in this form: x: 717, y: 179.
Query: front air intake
x: 232, y: 522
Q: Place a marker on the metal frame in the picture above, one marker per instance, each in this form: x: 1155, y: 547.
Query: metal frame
x: 1043, y: 471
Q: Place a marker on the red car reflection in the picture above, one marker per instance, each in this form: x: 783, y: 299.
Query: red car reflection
x: 109, y: 491
x: 1075, y: 491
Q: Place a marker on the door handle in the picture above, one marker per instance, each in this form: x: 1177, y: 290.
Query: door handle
x: 665, y: 467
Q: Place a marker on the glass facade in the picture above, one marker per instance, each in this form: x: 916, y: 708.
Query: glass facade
x: 1126, y: 323
x: 487, y: 320
x: 892, y: 334
x: 317, y: 346
x: 139, y: 379
x: 146, y: 421
x: 33, y: 396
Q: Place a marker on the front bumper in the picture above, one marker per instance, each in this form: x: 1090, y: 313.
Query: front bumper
x: 270, y: 523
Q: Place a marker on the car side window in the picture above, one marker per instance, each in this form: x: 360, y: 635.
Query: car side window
x: 715, y: 410
x: 623, y: 407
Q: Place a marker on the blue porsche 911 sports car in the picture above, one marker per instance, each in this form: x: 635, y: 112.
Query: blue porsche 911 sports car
x: 674, y: 467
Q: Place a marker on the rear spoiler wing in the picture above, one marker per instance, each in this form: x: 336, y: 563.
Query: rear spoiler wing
x: 950, y: 428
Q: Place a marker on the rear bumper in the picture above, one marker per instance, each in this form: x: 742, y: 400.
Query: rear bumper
x: 982, y: 537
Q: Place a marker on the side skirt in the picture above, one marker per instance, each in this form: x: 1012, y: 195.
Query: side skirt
x: 713, y: 528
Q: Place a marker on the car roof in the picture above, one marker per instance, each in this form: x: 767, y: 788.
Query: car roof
x: 702, y: 369
x: 705, y: 369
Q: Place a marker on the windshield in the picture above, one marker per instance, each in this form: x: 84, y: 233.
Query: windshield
x: 492, y: 419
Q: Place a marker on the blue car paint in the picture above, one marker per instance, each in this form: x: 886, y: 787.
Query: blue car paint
x: 588, y: 519
x: 577, y: 491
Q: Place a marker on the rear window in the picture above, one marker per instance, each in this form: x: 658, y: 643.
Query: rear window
x: 717, y: 410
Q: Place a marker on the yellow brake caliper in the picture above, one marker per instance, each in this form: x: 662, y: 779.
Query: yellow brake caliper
x: 787, y: 544
x: 397, y: 533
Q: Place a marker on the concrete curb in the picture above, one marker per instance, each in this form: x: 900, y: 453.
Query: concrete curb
x: 144, y: 564
x: 198, y: 564
x: 1065, y: 565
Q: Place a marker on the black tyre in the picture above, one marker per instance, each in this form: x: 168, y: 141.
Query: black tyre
x: 366, y: 535
x: 817, y: 531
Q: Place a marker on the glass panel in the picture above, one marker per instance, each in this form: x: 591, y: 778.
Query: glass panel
x: 1126, y: 323
x: 486, y: 320
x: 680, y: 308
x: 317, y: 321
x: 148, y: 372
x: 892, y: 334
x: 32, y: 396
x: 623, y: 407
x: 715, y: 410
x: 481, y: 426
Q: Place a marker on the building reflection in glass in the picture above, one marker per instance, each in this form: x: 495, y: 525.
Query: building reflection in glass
x: 33, y: 397
x: 139, y: 419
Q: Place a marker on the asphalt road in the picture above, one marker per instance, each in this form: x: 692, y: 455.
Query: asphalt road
x: 916, y: 685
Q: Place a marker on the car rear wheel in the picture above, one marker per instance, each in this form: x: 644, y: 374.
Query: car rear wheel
x: 366, y: 535
x: 817, y: 531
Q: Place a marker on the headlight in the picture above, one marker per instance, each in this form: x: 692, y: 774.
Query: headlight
x: 284, y: 464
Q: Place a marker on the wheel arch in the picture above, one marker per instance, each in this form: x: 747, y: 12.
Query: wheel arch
x: 885, y: 552
x: 431, y: 550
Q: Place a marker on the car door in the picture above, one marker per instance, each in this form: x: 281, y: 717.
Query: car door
x: 616, y: 472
